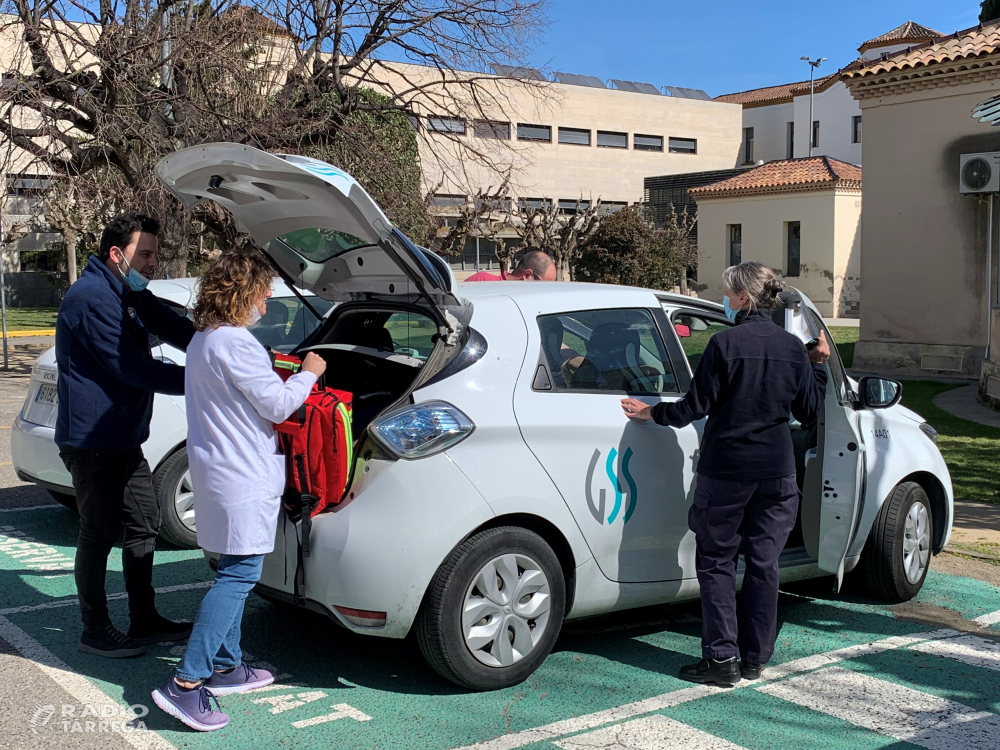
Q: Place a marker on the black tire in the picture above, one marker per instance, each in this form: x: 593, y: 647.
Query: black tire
x: 64, y: 498
x: 165, y: 482
x: 439, y: 622
x: 882, y: 558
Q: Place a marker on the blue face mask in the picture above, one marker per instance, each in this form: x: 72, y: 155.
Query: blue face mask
x: 133, y: 279
x: 730, y: 312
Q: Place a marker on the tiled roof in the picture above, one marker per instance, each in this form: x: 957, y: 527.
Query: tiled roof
x: 786, y: 176
x: 978, y: 41
x: 777, y: 94
x: 908, y: 32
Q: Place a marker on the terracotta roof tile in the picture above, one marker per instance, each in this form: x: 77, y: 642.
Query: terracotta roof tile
x: 908, y: 32
x: 789, y: 175
x: 975, y: 42
x: 777, y: 94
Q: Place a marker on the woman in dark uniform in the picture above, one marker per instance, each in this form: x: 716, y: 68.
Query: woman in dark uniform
x: 751, y: 379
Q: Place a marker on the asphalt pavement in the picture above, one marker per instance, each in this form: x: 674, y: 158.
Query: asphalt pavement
x: 849, y: 672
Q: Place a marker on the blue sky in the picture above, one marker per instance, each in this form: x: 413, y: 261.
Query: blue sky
x: 724, y: 46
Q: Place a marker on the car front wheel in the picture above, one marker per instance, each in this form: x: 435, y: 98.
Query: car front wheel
x: 494, y: 609
x: 898, y: 551
x: 174, y: 493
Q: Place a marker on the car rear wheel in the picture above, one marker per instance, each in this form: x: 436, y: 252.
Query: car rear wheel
x: 174, y: 493
x: 898, y: 551
x: 64, y: 498
x: 494, y: 610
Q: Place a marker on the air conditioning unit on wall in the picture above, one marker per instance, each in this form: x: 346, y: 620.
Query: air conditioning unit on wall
x: 979, y: 173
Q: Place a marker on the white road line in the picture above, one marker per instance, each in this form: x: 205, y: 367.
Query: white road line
x: 986, y: 620
x: 340, y: 711
x: 649, y: 733
x: 656, y: 703
x: 82, y: 689
x: 969, y: 650
x: 31, y: 507
x: 890, y: 709
x: 74, y: 601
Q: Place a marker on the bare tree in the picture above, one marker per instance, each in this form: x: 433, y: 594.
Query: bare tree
x: 102, y: 89
x: 681, y: 243
x: 560, y: 234
x: 484, y: 215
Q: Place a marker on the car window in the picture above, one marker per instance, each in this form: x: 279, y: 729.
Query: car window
x: 619, y: 351
x: 410, y: 334
x: 287, y: 322
x: 694, y: 332
x: 837, y: 371
x: 319, y: 245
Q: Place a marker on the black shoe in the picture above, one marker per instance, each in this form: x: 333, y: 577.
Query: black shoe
x: 156, y: 628
x: 751, y: 671
x: 110, y: 643
x: 724, y: 672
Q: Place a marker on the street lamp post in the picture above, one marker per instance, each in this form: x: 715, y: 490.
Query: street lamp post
x: 813, y: 64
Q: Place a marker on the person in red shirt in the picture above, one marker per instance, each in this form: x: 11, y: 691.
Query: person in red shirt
x: 534, y: 266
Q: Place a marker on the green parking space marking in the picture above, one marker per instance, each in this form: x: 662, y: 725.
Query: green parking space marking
x: 338, y: 688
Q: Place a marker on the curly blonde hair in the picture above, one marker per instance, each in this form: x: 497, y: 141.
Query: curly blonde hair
x: 228, y: 288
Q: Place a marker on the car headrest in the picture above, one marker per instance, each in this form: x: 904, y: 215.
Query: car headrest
x: 608, y: 343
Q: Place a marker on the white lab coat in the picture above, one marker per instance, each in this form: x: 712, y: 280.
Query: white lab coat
x: 233, y: 399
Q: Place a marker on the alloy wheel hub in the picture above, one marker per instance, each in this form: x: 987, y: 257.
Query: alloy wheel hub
x: 916, y: 542
x: 184, y: 500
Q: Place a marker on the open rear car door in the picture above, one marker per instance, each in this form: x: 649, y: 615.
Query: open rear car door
x: 318, y: 225
x: 835, y: 488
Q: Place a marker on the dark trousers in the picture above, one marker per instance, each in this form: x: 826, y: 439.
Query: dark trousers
x: 729, y: 518
x: 114, y: 491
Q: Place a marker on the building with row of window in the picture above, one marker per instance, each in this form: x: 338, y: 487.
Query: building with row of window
x: 776, y: 121
x: 801, y: 217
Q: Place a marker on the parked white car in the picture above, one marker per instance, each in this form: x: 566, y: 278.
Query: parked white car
x: 36, y: 457
x: 498, y: 489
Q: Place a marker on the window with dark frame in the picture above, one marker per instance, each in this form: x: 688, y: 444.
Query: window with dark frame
x: 610, y: 207
x: 534, y: 204
x: 491, y: 129
x: 607, y: 139
x: 856, y: 129
x: 793, y: 248
x: 735, y: 244
x: 413, y: 120
x: 453, y: 125
x: 748, y: 145
x: 570, y: 207
x: 683, y: 146
x: 790, y: 141
x: 815, y: 134
x: 540, y: 133
x: 648, y: 142
x: 447, y: 200
x: 574, y: 136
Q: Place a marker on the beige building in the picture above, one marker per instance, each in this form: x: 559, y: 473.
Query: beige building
x: 928, y: 267
x: 800, y: 217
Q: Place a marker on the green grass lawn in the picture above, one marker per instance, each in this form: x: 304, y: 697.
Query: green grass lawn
x: 29, y: 318
x: 971, y: 450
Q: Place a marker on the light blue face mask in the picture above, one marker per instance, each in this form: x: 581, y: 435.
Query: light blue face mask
x: 133, y: 279
x: 730, y: 312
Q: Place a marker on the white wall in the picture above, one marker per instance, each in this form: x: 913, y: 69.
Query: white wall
x: 770, y: 125
x: 834, y: 108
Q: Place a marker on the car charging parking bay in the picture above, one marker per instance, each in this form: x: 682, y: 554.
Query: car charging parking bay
x: 847, y: 673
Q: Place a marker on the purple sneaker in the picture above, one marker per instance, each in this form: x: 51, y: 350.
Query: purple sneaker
x: 238, y: 680
x: 192, y: 706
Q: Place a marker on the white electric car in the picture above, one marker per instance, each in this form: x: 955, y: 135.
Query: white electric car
x: 36, y: 457
x: 498, y: 489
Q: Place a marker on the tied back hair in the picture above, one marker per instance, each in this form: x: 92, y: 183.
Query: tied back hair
x: 755, y: 280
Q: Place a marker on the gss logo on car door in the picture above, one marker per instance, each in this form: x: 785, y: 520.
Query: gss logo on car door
x: 615, y: 477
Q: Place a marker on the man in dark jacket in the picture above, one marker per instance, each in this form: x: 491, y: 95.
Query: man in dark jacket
x: 107, y: 378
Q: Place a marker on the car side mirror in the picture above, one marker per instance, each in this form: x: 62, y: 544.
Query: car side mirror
x: 879, y: 393
x: 682, y: 330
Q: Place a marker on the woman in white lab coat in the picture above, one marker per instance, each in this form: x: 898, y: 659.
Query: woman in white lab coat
x: 233, y: 399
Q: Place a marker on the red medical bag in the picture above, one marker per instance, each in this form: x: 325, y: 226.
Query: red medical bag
x: 318, y: 446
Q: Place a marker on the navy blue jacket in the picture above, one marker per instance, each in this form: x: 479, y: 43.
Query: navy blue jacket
x: 107, y: 375
x: 751, y: 377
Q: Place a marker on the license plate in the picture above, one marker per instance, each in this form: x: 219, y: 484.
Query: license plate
x: 46, y: 394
